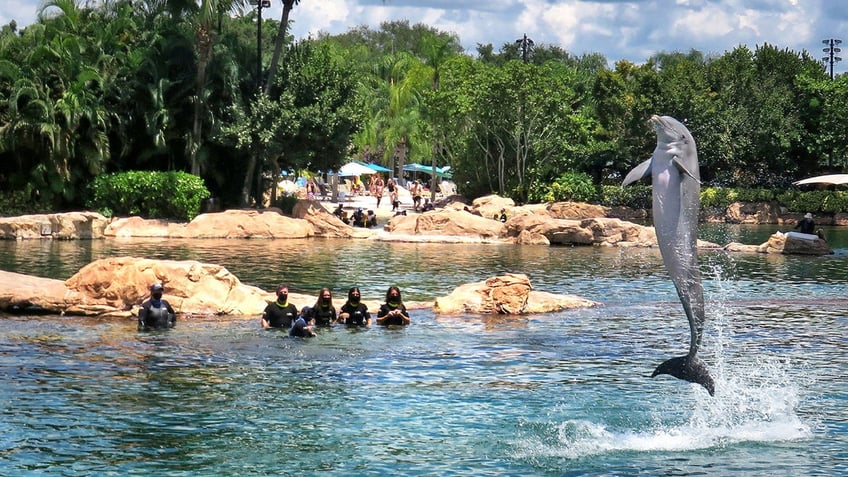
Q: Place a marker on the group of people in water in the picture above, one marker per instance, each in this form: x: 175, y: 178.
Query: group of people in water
x: 157, y: 314
x: 281, y: 314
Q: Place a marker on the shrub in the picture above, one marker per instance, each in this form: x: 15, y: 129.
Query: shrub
x: 153, y: 195
x: 635, y: 196
x: 286, y: 202
x: 570, y: 186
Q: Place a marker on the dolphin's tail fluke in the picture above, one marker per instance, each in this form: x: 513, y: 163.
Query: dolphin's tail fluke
x: 688, y: 369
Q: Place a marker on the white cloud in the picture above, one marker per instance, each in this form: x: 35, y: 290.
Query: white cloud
x: 632, y: 30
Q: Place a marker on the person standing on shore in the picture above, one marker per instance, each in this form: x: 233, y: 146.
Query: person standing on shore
x: 156, y: 313
x: 378, y: 189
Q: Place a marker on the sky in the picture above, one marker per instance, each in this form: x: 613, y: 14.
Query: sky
x: 632, y: 30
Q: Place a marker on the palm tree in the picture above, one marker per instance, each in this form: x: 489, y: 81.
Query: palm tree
x: 288, y: 5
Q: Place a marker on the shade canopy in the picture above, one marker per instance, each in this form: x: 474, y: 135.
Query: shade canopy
x: 355, y: 169
x: 441, y: 172
x: 837, y: 179
x: 376, y: 167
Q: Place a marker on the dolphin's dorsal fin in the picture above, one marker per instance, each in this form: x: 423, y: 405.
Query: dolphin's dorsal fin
x: 682, y: 168
x: 641, y: 171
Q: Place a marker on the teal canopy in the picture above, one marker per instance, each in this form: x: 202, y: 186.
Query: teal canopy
x: 441, y: 172
x: 376, y: 167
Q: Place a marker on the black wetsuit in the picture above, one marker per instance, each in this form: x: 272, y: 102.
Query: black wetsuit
x: 280, y: 316
x: 156, y: 315
x: 300, y: 328
x: 385, y: 309
x: 357, y: 315
x: 323, y: 315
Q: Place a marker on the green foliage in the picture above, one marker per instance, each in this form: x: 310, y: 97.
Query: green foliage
x: 154, y: 195
x: 286, y: 203
x: 635, y: 196
x: 571, y: 186
x: 19, y: 202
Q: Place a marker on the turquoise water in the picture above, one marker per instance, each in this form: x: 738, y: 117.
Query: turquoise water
x: 557, y: 394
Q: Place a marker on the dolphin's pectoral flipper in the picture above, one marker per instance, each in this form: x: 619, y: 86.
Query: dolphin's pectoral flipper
x: 688, y: 369
x: 641, y: 171
x: 683, y: 169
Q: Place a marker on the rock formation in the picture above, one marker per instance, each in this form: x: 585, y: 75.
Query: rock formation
x: 509, y: 294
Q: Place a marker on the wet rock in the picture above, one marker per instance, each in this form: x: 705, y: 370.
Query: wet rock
x: 509, y: 294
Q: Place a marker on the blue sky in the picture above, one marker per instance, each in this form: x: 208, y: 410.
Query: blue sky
x: 619, y: 29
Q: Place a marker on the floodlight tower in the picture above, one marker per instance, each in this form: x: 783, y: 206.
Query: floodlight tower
x: 831, y: 50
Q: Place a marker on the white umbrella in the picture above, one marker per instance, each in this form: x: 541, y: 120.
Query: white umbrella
x: 354, y: 169
x: 828, y: 179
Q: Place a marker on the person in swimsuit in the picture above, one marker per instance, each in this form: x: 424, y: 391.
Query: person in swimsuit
x: 156, y: 313
x: 393, y: 311
x: 354, y: 312
x: 281, y: 313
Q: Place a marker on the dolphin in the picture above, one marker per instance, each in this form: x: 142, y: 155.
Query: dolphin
x: 673, y: 169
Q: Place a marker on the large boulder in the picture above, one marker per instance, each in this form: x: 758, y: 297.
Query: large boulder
x: 446, y: 222
x: 324, y: 222
x: 242, y: 224
x: 752, y: 213
x: 65, y: 226
x: 509, y: 294
x: 793, y: 243
x: 576, y: 210
x: 490, y: 206
x: 191, y: 287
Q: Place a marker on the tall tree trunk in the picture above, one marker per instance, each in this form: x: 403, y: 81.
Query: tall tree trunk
x: 288, y: 5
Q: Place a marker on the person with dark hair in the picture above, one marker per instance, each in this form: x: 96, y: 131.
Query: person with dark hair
x: 354, y: 312
x: 323, y: 313
x: 393, y: 311
x: 301, y: 327
x: 281, y: 313
x: 341, y: 214
x: 156, y: 313
x: 359, y: 218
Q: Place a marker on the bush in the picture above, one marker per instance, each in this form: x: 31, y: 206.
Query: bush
x: 153, y: 195
x: 635, y: 196
x: 286, y: 202
x: 570, y: 186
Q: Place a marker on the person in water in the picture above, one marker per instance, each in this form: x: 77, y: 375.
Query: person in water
x: 301, y: 327
x: 156, y: 313
x: 354, y: 312
x: 807, y: 225
x: 281, y: 313
x: 324, y: 313
x: 393, y: 311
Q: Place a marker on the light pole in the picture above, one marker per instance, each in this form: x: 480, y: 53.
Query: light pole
x: 526, y: 44
x: 831, y: 50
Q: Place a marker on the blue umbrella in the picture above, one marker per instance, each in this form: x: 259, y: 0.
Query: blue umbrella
x: 376, y: 167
